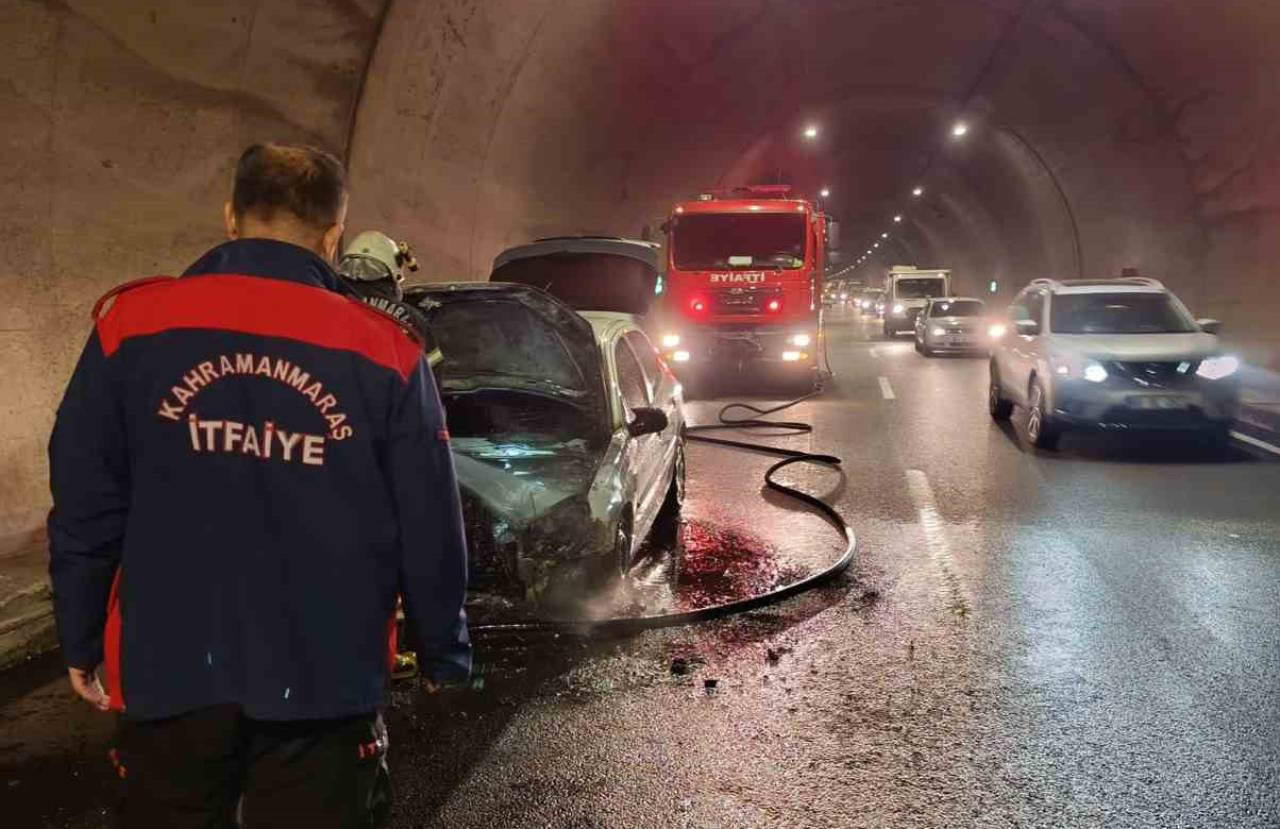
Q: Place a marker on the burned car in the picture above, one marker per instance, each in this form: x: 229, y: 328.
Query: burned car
x: 567, y: 435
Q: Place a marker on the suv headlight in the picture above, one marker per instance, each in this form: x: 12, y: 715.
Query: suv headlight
x: 899, y: 308
x: 1084, y: 368
x: 1215, y: 368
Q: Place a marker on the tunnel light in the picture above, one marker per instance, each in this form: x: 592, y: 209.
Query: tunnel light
x: 670, y: 340
x: 884, y: 235
x: 959, y: 130
x: 994, y: 286
x: 826, y: 191
x: 897, y: 218
x: 876, y: 245
x: 1215, y: 368
x: 811, y: 131
x: 680, y: 356
x: 918, y: 192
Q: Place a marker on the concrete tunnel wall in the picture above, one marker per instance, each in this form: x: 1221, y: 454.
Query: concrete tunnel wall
x: 1104, y: 135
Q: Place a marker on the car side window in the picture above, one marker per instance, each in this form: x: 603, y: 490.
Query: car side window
x: 648, y: 357
x: 630, y: 377
x: 1034, y: 302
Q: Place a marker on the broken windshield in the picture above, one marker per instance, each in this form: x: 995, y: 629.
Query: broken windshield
x: 715, y: 241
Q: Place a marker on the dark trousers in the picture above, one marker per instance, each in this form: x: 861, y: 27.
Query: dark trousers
x: 214, y: 767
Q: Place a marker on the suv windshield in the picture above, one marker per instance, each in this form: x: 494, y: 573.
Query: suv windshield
x: 960, y: 308
x: 1127, y: 313
x: 753, y: 240
x: 919, y: 288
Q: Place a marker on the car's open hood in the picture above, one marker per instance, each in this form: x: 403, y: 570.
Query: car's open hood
x: 496, y: 335
x: 589, y: 273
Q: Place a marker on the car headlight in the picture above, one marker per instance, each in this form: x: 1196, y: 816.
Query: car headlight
x: 801, y: 340
x: 899, y: 308
x: 1094, y: 372
x: 1215, y: 368
x: 996, y: 331
x: 680, y: 356
x: 1090, y: 370
x: 670, y: 340
x: 938, y: 332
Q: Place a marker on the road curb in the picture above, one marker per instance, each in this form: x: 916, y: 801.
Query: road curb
x: 27, y: 627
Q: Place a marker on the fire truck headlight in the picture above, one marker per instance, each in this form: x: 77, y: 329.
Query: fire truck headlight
x: 899, y: 308
x: 801, y: 340
x: 670, y: 340
x: 680, y: 356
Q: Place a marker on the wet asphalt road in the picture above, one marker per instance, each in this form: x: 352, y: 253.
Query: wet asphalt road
x: 1086, y: 639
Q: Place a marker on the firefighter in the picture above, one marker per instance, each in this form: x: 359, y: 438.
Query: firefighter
x: 373, y: 266
x: 247, y: 468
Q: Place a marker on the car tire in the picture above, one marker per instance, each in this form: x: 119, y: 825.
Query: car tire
x: 1041, y: 430
x: 1217, y: 439
x: 1000, y: 407
x: 666, y: 529
x: 926, y: 351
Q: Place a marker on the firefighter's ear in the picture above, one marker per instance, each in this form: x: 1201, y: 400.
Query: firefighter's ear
x: 332, y: 238
x: 229, y: 217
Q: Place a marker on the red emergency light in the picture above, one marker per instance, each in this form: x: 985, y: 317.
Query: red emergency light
x: 698, y: 305
x: 773, y: 306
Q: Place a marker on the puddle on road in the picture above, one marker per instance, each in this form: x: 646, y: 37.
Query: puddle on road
x: 709, y: 565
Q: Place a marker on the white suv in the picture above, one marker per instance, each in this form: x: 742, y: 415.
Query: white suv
x: 1115, y: 354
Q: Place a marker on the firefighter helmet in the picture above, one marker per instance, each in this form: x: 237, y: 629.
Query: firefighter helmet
x: 373, y: 256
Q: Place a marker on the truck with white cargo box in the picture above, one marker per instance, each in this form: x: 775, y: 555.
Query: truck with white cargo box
x: 907, y: 289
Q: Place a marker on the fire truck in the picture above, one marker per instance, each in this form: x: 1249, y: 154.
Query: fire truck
x: 743, y: 284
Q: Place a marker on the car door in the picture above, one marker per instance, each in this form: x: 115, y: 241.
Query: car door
x: 643, y: 452
x: 655, y: 453
x: 1024, y: 346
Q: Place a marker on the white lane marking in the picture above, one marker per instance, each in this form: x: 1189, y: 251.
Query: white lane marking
x: 935, y: 536
x: 875, y: 351
x: 886, y: 389
x: 1252, y: 441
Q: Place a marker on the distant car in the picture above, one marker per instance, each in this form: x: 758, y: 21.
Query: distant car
x: 1118, y: 354
x: 957, y: 325
x: 567, y: 435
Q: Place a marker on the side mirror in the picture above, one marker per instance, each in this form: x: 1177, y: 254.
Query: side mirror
x: 1209, y: 326
x: 1027, y: 328
x: 646, y: 421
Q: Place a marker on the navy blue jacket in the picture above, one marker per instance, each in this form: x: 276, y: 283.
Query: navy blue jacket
x: 247, y: 468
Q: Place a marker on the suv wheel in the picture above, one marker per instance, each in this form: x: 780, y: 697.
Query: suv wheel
x: 1000, y: 407
x: 1041, y: 430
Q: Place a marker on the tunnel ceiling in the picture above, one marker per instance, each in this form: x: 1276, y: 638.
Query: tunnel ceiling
x: 595, y: 116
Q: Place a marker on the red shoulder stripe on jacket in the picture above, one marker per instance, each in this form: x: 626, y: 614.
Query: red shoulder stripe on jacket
x: 259, y: 306
x: 102, y: 303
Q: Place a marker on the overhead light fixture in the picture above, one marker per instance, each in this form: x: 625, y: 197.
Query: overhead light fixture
x: 959, y: 130
x: 897, y: 218
x: 811, y: 131
x: 918, y: 192
x: 826, y: 191
x: 884, y: 235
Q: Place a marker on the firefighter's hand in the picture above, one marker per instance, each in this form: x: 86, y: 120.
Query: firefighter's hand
x: 88, y: 688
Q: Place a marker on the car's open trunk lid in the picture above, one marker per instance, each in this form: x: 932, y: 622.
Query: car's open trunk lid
x: 589, y: 273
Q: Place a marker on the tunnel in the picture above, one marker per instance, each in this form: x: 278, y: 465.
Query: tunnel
x: 1100, y: 136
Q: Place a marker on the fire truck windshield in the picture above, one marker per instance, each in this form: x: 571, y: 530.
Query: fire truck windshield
x: 713, y: 241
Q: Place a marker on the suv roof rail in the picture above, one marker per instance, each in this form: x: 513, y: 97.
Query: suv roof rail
x: 1141, y: 280
x: 1043, y: 281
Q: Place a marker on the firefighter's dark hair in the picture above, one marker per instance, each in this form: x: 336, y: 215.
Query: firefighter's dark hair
x: 308, y: 183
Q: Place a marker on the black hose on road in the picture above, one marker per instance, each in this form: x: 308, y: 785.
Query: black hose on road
x: 755, y: 420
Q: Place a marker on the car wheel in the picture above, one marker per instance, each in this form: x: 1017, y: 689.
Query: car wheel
x: 666, y: 529
x: 926, y: 350
x: 1041, y: 430
x: 1000, y: 407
